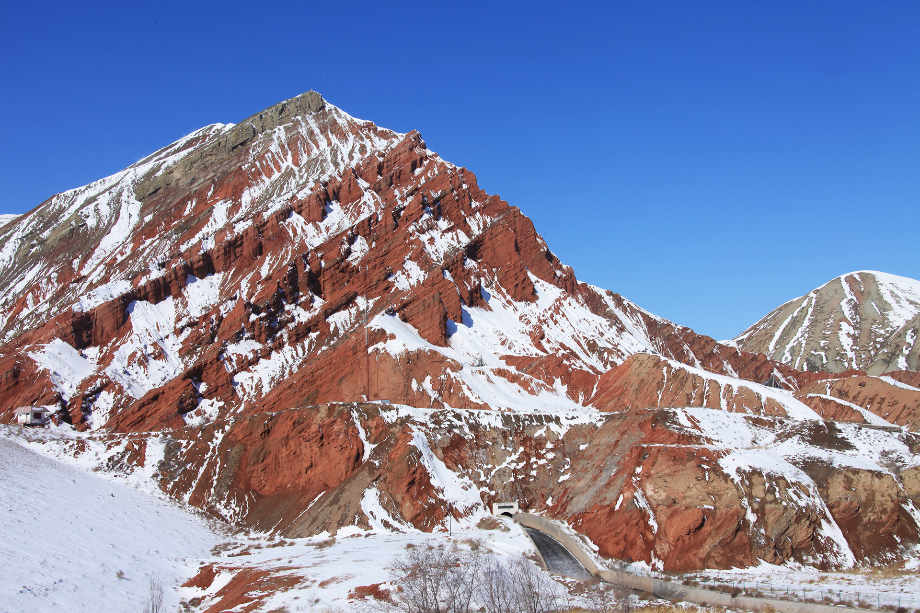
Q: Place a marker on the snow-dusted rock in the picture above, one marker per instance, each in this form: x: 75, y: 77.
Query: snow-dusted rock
x: 864, y: 320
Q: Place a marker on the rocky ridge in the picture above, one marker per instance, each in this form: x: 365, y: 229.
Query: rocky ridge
x: 236, y: 268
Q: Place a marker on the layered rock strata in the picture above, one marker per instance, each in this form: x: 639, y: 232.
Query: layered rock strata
x: 681, y: 489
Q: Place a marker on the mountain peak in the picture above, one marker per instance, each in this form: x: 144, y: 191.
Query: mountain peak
x: 905, y: 283
x: 210, y: 185
x: 865, y: 320
x: 284, y: 112
x: 281, y: 114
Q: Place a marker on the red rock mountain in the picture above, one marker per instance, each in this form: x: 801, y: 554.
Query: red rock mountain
x: 219, y: 314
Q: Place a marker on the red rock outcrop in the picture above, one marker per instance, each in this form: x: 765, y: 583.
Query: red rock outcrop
x: 248, y: 588
x: 646, y: 380
x: 907, y: 377
x: 841, y: 399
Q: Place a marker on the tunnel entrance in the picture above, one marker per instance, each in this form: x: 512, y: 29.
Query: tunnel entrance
x: 508, y: 509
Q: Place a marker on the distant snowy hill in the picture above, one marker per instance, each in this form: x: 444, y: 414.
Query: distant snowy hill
x: 862, y: 320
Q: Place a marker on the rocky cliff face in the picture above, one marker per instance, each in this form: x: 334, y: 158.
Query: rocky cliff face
x: 880, y: 400
x: 214, y: 313
x: 680, y: 489
x: 865, y: 320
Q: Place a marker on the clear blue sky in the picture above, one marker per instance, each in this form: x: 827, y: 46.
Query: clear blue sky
x: 707, y: 160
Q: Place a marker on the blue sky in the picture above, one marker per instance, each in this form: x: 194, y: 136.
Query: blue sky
x: 707, y: 160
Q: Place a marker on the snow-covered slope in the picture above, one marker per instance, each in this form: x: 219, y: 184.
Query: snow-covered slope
x: 66, y: 535
x: 862, y: 320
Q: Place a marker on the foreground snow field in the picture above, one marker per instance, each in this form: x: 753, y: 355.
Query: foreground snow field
x: 67, y: 533
x: 871, y: 589
x: 326, y: 574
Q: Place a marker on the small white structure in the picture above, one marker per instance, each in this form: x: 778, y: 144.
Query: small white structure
x: 505, y: 508
x: 32, y: 416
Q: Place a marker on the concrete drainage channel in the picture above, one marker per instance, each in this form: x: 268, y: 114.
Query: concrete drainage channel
x: 550, y: 538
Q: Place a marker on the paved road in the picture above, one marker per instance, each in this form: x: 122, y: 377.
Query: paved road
x: 558, y: 559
